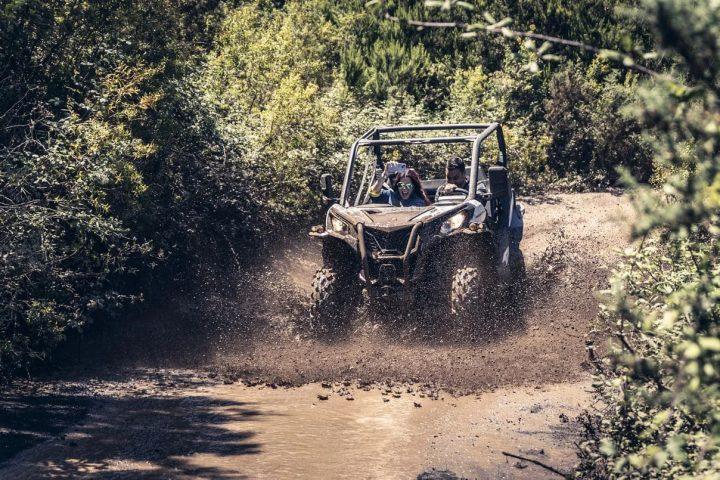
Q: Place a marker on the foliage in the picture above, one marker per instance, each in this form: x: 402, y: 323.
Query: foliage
x: 142, y: 134
x: 63, y: 248
x: 591, y: 136
x: 514, y: 97
x: 81, y: 84
x: 660, y: 381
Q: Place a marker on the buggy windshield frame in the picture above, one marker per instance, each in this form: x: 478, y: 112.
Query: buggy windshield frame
x: 373, y: 138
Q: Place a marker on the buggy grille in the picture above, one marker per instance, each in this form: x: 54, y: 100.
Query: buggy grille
x: 387, y: 243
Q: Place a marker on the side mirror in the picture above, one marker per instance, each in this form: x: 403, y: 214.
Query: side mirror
x: 499, y: 183
x: 326, y: 187
x: 326, y: 184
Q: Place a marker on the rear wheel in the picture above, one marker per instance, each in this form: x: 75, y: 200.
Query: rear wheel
x: 333, y: 298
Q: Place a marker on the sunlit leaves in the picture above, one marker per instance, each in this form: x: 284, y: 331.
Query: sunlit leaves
x: 449, y: 4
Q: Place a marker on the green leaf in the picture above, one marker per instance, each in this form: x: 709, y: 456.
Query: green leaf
x: 544, y: 48
x: 691, y: 350
x: 552, y: 58
x: 489, y: 18
x: 499, y: 25
x: 607, y: 447
x: 709, y: 343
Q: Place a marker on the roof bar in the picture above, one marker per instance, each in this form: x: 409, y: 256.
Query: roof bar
x: 416, y: 141
x: 417, y: 128
x: 349, y: 170
x: 477, y: 144
x: 476, y: 140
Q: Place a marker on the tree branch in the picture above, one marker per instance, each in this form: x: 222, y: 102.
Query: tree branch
x: 540, y: 464
x: 504, y: 31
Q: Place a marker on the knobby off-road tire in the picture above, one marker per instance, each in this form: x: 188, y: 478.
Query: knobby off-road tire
x: 333, y: 298
x: 465, y: 293
x: 519, y: 277
x: 472, y: 298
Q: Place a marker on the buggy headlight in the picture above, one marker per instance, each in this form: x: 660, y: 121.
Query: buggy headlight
x: 453, y: 223
x: 339, y: 226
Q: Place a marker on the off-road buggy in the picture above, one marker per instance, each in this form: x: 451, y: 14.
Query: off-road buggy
x: 461, y: 253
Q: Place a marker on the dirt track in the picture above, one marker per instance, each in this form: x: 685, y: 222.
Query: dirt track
x: 571, y: 241
x: 205, y: 343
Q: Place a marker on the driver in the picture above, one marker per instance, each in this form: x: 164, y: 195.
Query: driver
x: 454, y: 177
x: 405, y: 191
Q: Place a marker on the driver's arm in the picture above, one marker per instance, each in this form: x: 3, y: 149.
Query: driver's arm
x: 444, y: 190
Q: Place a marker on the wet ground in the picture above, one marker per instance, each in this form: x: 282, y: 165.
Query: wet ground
x: 227, y: 383
x: 202, y: 427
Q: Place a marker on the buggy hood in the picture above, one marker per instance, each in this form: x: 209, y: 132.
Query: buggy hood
x: 392, y: 218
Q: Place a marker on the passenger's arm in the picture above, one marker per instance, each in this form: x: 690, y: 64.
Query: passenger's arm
x: 380, y: 178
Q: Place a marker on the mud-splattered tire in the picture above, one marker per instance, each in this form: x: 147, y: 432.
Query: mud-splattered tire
x: 513, y: 294
x: 519, y: 270
x: 465, y: 295
x: 332, y: 299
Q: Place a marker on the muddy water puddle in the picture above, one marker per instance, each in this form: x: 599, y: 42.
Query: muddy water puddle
x: 231, y: 431
x: 383, y: 437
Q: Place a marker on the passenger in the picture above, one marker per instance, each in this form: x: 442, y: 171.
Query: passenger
x: 454, y: 177
x: 405, y: 191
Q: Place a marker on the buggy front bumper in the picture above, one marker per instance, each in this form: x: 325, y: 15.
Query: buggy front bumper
x: 393, y: 270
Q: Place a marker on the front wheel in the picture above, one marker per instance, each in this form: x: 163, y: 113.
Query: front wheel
x: 465, y: 295
x: 332, y: 299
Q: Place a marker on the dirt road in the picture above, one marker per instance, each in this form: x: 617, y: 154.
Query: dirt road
x: 199, y: 388
x: 571, y: 242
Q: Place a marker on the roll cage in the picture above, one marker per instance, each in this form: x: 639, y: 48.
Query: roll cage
x: 373, y: 138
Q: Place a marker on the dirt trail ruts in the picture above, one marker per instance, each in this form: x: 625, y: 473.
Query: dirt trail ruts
x: 254, y: 325
x: 159, y: 395
x: 570, y: 243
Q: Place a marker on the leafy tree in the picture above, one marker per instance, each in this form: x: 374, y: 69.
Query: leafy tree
x: 80, y: 88
x: 170, y: 133
x: 660, y: 383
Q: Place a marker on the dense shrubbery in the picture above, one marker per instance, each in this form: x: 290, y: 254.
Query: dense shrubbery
x: 589, y: 138
x: 660, y: 383
x: 163, y: 133
x: 94, y: 158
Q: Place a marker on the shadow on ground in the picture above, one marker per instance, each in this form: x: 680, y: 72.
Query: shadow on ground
x: 27, y: 419
x: 126, y: 437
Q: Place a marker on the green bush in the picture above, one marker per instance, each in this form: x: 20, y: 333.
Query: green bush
x: 143, y: 134
x: 64, y: 250
x: 80, y: 97
x: 591, y: 135
x: 660, y: 382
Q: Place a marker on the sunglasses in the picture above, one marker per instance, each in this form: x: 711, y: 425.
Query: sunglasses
x: 406, y: 186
